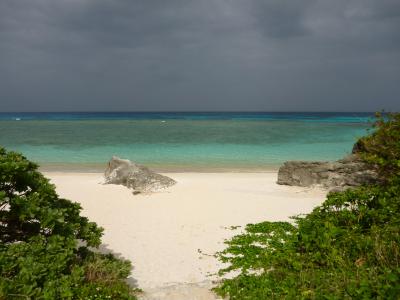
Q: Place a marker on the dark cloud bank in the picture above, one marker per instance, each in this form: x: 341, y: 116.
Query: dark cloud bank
x: 297, y: 55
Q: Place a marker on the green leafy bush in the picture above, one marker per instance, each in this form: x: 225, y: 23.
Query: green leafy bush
x: 347, y: 248
x: 39, y: 237
x: 382, y: 146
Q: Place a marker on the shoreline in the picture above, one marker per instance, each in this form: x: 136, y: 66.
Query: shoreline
x: 170, y: 236
x: 100, y: 168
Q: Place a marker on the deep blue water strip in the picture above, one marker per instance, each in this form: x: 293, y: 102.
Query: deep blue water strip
x: 301, y: 116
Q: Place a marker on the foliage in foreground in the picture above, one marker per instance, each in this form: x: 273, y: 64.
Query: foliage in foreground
x: 348, y: 248
x: 382, y: 146
x: 44, y: 242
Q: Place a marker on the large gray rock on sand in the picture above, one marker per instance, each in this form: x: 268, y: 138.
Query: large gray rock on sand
x: 134, y: 176
x: 337, y: 175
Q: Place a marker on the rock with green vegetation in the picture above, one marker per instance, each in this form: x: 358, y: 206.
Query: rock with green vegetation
x: 134, y: 176
x: 45, y: 245
x: 347, y: 248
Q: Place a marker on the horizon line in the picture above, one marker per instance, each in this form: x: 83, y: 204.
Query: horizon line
x: 190, y: 111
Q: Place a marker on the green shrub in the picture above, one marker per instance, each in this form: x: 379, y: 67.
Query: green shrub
x: 347, y: 248
x: 39, y: 238
x: 382, y: 146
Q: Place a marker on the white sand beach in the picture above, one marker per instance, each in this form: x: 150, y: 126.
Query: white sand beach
x: 170, y: 236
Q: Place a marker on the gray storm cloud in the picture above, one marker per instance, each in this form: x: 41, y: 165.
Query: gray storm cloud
x: 305, y: 55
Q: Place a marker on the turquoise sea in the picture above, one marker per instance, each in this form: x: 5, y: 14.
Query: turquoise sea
x: 181, y: 141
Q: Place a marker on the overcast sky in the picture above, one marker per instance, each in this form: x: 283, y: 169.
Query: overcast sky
x: 271, y: 55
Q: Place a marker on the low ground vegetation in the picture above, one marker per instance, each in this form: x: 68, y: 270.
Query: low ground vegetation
x: 347, y: 248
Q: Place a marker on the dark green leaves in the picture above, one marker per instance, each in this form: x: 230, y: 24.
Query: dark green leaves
x: 39, y: 234
x: 382, y: 146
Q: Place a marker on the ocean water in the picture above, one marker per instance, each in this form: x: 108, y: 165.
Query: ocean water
x: 181, y: 141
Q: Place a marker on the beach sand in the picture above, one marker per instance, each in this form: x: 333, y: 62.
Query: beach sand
x: 170, y: 236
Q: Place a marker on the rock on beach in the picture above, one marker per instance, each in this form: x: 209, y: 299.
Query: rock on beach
x: 337, y: 175
x: 135, y: 176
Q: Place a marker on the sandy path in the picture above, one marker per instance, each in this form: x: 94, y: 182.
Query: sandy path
x: 163, y: 233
